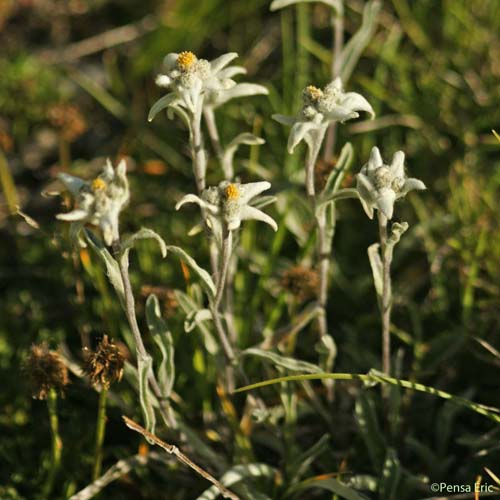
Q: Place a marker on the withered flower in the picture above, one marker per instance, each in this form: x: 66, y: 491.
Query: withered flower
x: 104, y: 366
x: 301, y: 281
x: 46, y: 370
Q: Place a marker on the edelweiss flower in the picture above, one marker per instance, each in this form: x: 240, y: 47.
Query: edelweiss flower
x: 227, y: 204
x: 100, y: 201
x: 320, y: 108
x: 189, y: 78
x: 380, y: 185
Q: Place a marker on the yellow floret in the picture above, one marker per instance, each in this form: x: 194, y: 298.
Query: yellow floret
x: 98, y: 184
x: 313, y: 92
x: 185, y: 60
x: 232, y: 192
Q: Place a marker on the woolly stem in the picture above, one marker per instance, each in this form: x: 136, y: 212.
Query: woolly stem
x: 386, y: 301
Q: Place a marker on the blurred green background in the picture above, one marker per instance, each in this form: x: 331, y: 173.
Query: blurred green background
x: 76, y: 84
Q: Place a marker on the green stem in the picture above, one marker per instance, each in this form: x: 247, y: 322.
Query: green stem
x: 100, y: 431
x: 56, y: 442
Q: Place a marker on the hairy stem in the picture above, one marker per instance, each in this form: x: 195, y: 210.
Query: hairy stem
x: 56, y: 447
x: 224, y: 264
x: 385, y: 306
x: 100, y: 432
x: 197, y: 149
x: 139, y: 344
x: 323, y: 243
x: 213, y: 133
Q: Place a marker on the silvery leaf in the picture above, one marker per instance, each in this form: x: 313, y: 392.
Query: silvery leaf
x: 341, y: 167
x: 189, y: 306
x: 206, y: 281
x: 283, y: 361
x: 238, y: 473
x: 354, y: 48
x: 145, y: 370
x: 397, y: 230
x: 232, y: 147
x: 163, y: 338
x: 337, y: 5
x: 377, y: 268
x: 195, y: 317
x: 142, y: 234
x: 112, y: 267
x: 161, y: 104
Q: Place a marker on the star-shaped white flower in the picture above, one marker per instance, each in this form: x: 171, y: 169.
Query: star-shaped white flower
x: 189, y: 78
x: 320, y: 108
x: 100, y: 201
x: 380, y: 185
x: 225, y: 206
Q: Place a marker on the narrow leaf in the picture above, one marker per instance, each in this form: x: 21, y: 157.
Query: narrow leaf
x: 357, y: 44
x: 112, y: 267
x: 206, y: 281
x: 329, y: 484
x: 377, y: 268
x: 337, y: 5
x: 143, y: 234
x: 145, y: 370
x: 161, y: 104
x: 163, y: 338
x: 240, y: 473
x: 283, y: 361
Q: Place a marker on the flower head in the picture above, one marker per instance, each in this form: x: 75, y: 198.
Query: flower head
x: 100, y: 201
x: 380, y: 185
x: 46, y: 370
x: 104, y: 366
x: 320, y: 107
x: 189, y: 78
x: 225, y: 206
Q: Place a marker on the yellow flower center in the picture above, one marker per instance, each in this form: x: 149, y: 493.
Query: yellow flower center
x: 98, y: 185
x: 313, y: 92
x: 232, y: 192
x: 185, y: 60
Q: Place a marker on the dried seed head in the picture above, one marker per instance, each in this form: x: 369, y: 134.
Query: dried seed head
x: 185, y: 60
x: 104, y: 366
x: 232, y: 192
x: 302, y: 282
x: 46, y: 370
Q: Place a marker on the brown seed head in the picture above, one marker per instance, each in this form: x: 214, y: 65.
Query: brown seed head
x: 104, y: 366
x: 46, y: 370
x: 302, y: 282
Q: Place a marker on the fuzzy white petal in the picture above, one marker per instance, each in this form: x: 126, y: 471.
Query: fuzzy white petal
x: 252, y: 189
x: 72, y: 183
x: 217, y: 64
x: 356, y: 102
x: 397, y: 164
x: 74, y: 215
x: 249, y: 213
